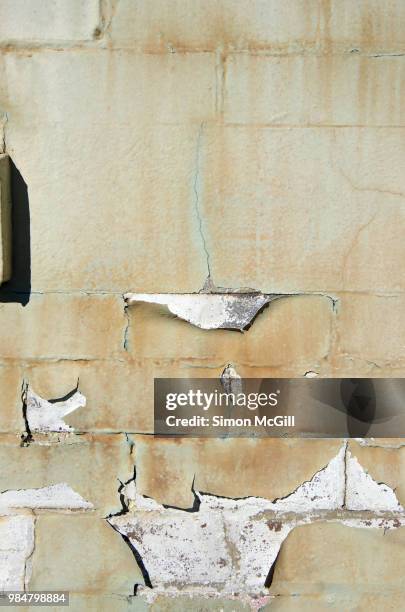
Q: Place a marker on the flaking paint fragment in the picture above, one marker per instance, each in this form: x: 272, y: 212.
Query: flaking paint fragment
x: 43, y: 415
x: 209, y: 310
x: 230, y: 380
x: 364, y: 493
x: 381, y: 443
x: 54, y: 497
x: 325, y: 490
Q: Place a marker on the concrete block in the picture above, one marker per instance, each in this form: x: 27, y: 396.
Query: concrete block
x: 368, y: 26
x: 260, y: 25
x: 88, y: 558
x: 371, y: 328
x: 59, y: 326
x: 292, y: 209
x: 253, y: 25
x: 364, y: 560
x: 90, y: 465
x: 11, y: 415
x: 48, y: 21
x: 303, y: 90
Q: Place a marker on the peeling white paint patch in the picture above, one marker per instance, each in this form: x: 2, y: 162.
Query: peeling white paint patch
x: 257, y: 541
x: 55, y: 497
x: 227, y: 545
x: 16, y: 549
x: 364, y: 493
x: 149, y: 596
x: 209, y: 310
x: 180, y: 547
x: 380, y: 443
x: 210, y: 551
x: 43, y: 416
x: 231, y: 381
x: 325, y: 490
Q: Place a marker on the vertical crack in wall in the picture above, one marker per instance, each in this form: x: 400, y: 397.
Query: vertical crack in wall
x: 333, y: 334
x: 352, y: 246
x: 127, y: 326
x: 123, y: 511
x: 26, y: 437
x: 197, y: 190
x: 130, y: 443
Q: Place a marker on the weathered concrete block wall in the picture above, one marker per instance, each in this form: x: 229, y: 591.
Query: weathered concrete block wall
x: 161, y: 148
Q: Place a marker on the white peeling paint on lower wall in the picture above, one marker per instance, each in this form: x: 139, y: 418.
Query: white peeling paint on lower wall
x: 17, y: 528
x: 364, y: 493
x: 17, y: 542
x: 325, y: 490
x: 211, y: 552
x: 228, y: 545
x: 209, y: 310
x: 225, y: 546
x: 55, y: 497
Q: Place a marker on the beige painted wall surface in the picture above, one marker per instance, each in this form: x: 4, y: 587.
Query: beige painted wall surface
x: 173, y: 147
